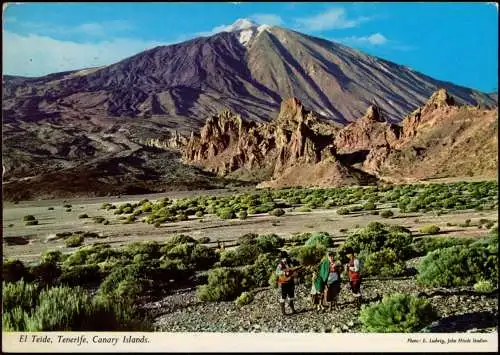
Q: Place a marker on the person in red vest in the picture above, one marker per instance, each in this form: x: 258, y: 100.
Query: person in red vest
x: 354, y: 273
x: 286, y: 281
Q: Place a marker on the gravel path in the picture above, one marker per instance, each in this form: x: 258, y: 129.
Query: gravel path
x: 459, y: 310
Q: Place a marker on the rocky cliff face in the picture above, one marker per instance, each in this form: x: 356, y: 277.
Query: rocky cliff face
x: 298, y: 148
x: 371, y: 130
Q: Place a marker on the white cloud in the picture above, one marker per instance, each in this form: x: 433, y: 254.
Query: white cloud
x: 267, y: 19
x: 93, y: 29
x: 36, y: 55
x: 376, y: 39
x: 332, y: 19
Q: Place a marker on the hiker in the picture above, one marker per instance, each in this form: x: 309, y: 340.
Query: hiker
x: 286, y: 281
x: 317, y: 289
x: 330, y: 275
x: 354, y: 273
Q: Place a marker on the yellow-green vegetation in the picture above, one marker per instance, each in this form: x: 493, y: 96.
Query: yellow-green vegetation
x: 432, y: 229
x: 398, y: 313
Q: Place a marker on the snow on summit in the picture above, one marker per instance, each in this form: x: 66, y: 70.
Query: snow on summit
x: 247, y: 29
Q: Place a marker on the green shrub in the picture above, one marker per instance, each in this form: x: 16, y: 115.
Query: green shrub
x: 248, y: 238
x: 79, y: 275
x: 386, y: 214
x: 369, y: 206
x: 19, y: 294
x: 51, y: 256
x: 432, y: 229
x: 32, y: 223
x: 424, y: 245
x: 67, y: 206
x: 13, y: 270
x: 45, y: 273
x: 459, y: 265
x: 68, y: 210
x: 224, y: 284
x: 321, y: 238
x: 273, y: 280
x: 244, y: 299
x: 203, y: 240
x: 199, y: 214
x: 484, y: 286
x: 174, y: 240
x: 243, y: 214
x: 226, y: 213
x: 14, y: 320
x: 308, y: 254
x: 304, y: 209
x: 29, y: 218
x: 384, y: 263
x: 83, y: 215
x: 277, y: 212
x: 181, y: 217
x: 262, y: 269
x: 269, y: 243
x: 74, y: 241
x: 203, y: 257
x: 343, y: 211
x: 397, y: 313
x: 136, y: 274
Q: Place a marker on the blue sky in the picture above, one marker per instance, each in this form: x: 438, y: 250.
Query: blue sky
x: 456, y: 42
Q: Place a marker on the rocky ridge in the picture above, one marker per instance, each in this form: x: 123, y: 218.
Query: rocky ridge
x: 299, y: 148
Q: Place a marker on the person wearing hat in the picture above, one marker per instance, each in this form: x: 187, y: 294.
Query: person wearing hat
x: 354, y: 273
x: 286, y: 282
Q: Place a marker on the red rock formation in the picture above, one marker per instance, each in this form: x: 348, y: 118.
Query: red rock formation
x: 370, y: 131
x: 299, y: 149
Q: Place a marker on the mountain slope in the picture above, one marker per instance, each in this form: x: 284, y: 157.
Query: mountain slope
x: 248, y: 70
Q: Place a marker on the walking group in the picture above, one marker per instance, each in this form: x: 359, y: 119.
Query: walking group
x: 326, y: 281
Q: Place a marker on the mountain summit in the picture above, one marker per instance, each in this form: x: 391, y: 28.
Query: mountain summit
x: 248, y: 68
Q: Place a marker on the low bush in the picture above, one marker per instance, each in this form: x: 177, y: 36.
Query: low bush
x: 199, y: 214
x: 262, y: 269
x: 203, y: 240
x: 424, y: 245
x: 226, y: 213
x: 397, y: 313
x: 277, y: 212
x: 269, y: 243
x: 13, y: 270
x: 369, y: 206
x: 80, y: 275
x: 304, y: 209
x: 432, y: 229
x: 32, y: 223
x: 98, y: 219
x: 459, y: 265
x: 244, y: 299
x: 484, y: 286
x: 343, y: 211
x: 74, y: 241
x: 19, y: 294
x: 243, y: 214
x: 83, y: 215
x: 71, y: 309
x: 29, y: 218
x: 386, y: 214
x: 321, y: 238
x: 224, y: 284
x: 384, y: 263
x: 308, y: 254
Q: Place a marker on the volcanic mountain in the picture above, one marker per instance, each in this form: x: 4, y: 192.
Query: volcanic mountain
x: 248, y: 68
x: 124, y: 126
